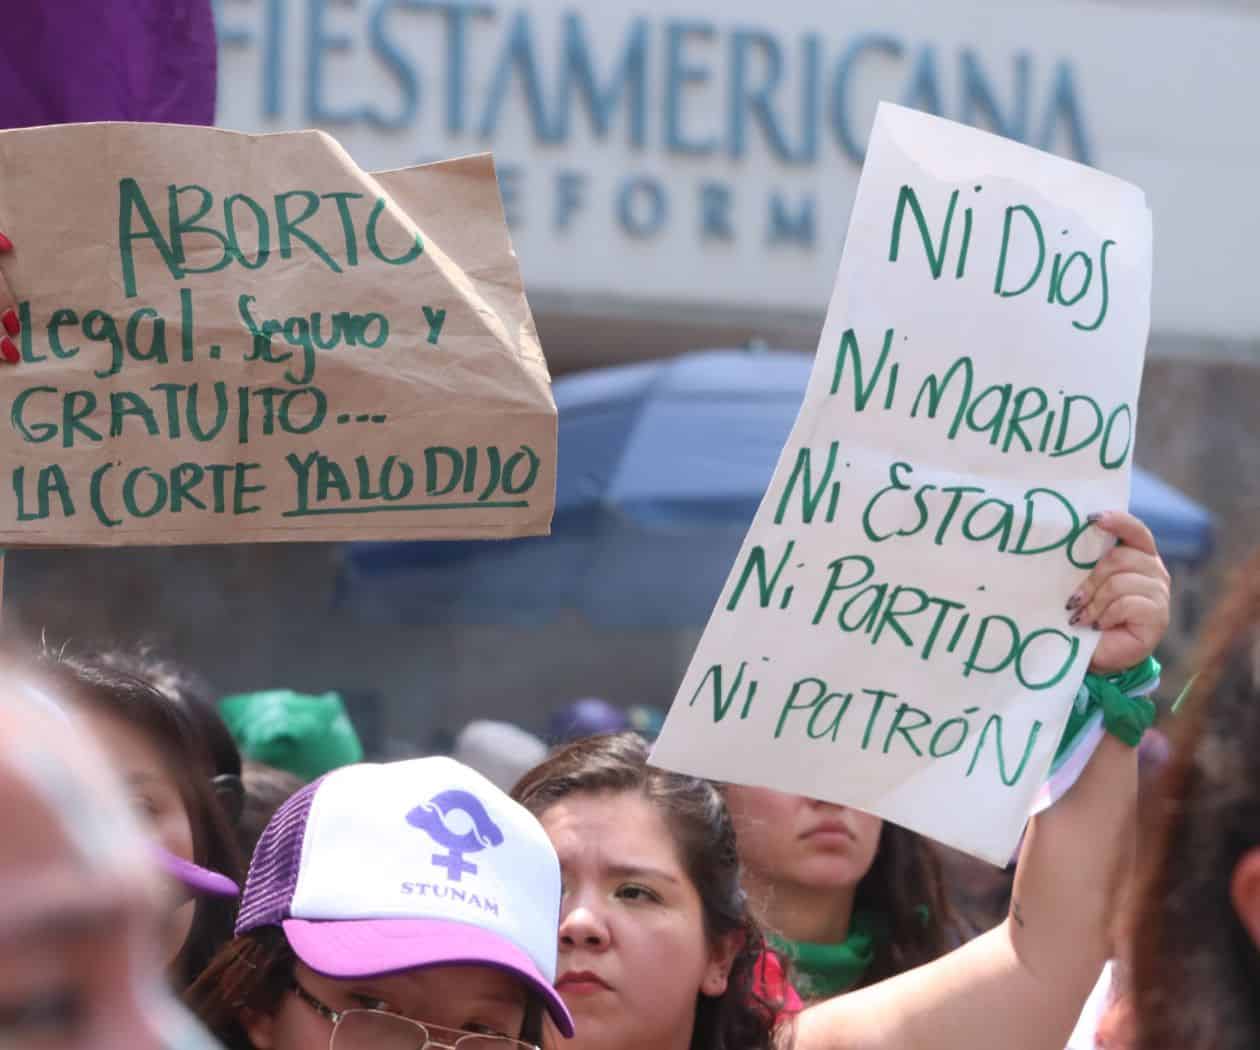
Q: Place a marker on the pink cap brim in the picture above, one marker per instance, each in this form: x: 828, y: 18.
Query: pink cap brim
x: 372, y: 947
x: 201, y: 881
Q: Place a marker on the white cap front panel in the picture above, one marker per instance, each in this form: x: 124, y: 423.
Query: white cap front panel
x: 429, y: 838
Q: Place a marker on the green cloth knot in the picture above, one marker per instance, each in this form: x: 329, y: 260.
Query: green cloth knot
x: 1125, y: 717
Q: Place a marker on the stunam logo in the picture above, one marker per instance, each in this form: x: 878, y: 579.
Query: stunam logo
x: 430, y: 817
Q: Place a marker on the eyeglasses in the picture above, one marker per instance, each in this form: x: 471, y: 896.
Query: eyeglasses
x: 359, y: 1029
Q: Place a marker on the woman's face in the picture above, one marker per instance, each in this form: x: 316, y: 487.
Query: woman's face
x: 155, y: 797
x: 458, y: 998
x: 790, y: 841
x: 633, y: 951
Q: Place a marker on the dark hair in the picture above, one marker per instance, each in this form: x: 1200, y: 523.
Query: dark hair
x: 254, y: 972
x: 251, y: 972
x: 979, y: 894
x: 100, y: 682
x: 197, y: 697
x: 1196, y: 971
x: 904, y: 892
x: 905, y: 887
x: 266, y: 790
x: 696, y: 814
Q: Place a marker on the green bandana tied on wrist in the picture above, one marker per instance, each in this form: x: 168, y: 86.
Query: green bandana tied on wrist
x: 1125, y: 714
x: 820, y: 971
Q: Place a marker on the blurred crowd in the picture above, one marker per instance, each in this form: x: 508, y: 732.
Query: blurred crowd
x: 133, y: 798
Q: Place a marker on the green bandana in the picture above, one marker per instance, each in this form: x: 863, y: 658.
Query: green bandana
x: 823, y: 970
x: 1125, y: 716
x: 304, y: 735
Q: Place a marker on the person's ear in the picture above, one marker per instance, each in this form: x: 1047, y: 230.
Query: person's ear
x: 721, y: 958
x: 1244, y: 892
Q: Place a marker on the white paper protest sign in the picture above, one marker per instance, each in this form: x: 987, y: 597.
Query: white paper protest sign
x: 893, y: 634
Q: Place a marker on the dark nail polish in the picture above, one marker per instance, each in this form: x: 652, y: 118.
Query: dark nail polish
x: 1076, y: 618
x: 10, y: 321
x: 1094, y: 518
x: 9, y: 351
x: 1094, y: 626
x: 1074, y: 601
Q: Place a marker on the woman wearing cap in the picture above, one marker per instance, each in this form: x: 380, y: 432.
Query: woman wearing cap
x: 658, y: 948
x: 388, y: 906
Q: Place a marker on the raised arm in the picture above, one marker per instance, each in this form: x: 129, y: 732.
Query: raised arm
x: 1021, y: 986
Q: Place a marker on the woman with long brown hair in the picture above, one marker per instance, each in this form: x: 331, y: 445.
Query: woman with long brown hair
x: 850, y: 899
x: 1196, y: 960
x: 166, y: 762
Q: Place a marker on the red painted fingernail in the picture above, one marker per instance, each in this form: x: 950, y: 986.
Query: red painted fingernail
x: 6, y: 245
x: 9, y: 351
x: 10, y: 321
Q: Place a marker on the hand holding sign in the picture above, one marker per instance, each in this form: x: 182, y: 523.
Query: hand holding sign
x: 892, y: 636
x: 1127, y: 596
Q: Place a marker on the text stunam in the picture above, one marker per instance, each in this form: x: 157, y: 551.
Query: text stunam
x: 452, y: 893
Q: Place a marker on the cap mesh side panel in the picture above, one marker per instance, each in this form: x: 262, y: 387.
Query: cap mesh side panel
x: 273, y: 869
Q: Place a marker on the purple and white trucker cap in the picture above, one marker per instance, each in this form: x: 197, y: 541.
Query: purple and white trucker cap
x: 377, y: 868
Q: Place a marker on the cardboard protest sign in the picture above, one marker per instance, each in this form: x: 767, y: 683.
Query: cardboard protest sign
x: 893, y: 634
x: 231, y: 338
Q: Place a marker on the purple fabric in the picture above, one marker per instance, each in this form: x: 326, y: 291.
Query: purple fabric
x: 273, y: 869
x: 197, y: 880
x: 371, y: 947
x: 588, y: 717
x: 68, y: 61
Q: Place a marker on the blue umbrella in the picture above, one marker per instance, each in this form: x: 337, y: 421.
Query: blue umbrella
x: 661, y: 468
